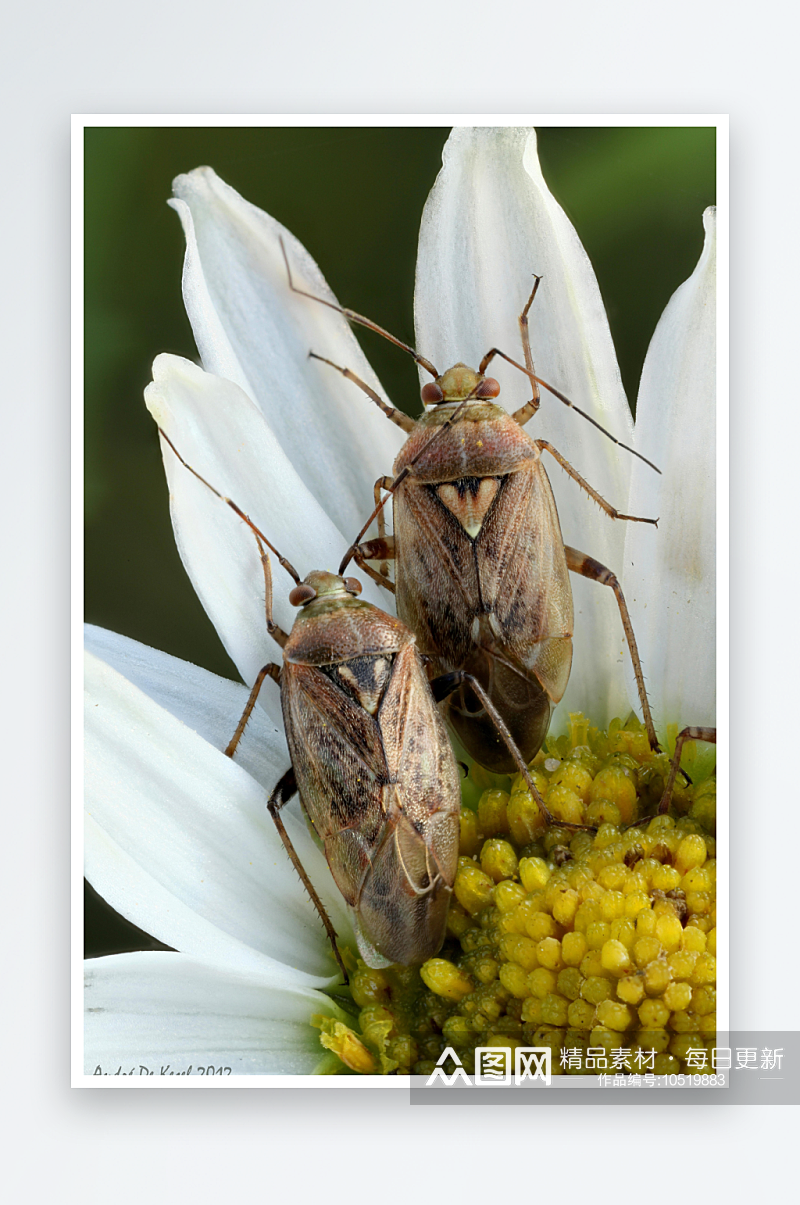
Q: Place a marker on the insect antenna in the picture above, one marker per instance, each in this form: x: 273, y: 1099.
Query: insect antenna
x: 401, y: 476
x: 352, y: 316
x: 495, y: 351
x: 257, y: 532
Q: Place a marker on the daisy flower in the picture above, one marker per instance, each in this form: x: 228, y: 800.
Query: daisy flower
x: 178, y: 838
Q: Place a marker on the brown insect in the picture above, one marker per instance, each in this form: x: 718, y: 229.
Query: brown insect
x: 371, y: 760
x: 481, y: 569
x: 373, y: 766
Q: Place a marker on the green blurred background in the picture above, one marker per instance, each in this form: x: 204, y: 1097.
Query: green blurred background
x: 354, y: 197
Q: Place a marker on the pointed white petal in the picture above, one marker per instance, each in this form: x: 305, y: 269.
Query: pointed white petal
x: 251, y: 328
x: 209, y: 705
x: 490, y: 223
x: 169, y: 1012
x: 178, y: 840
x: 221, y: 433
x: 670, y: 580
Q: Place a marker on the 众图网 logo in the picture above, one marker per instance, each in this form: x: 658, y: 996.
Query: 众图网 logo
x: 493, y: 1066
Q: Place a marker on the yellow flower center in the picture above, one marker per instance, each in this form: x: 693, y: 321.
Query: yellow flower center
x: 570, y: 939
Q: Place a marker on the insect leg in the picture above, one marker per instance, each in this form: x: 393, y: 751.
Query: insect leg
x: 269, y: 671
x: 374, y: 550
x: 272, y: 671
x: 445, y: 685
x: 402, y: 420
x: 687, y: 734
x: 277, y: 633
x: 383, y: 483
x: 575, y: 475
x: 586, y: 566
x: 527, y: 411
x: 285, y: 789
x: 383, y: 547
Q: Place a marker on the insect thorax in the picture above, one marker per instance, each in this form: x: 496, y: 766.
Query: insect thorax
x: 484, y: 441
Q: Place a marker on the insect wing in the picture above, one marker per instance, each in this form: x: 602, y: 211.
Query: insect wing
x: 421, y: 765
x: 406, y: 891
x: 437, y: 594
x: 340, y: 769
x: 524, y: 580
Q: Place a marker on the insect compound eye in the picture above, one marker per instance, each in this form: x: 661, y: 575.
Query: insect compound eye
x: 352, y: 585
x: 488, y: 388
x: 431, y: 393
x: 302, y: 594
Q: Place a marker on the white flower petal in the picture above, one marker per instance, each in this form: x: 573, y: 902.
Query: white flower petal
x: 178, y: 840
x: 670, y: 581
x: 209, y: 705
x: 166, y: 1012
x: 251, y: 328
x: 222, y: 434
x: 489, y: 224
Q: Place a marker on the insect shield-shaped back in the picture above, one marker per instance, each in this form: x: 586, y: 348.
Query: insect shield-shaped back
x: 374, y: 768
x: 482, y: 577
